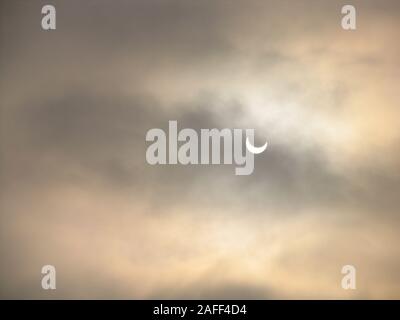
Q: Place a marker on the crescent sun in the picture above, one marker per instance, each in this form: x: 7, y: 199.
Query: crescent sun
x: 253, y: 149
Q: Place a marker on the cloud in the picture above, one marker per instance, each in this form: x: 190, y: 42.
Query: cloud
x: 77, y: 192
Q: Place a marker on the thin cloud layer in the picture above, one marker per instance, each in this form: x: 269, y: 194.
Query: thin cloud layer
x: 76, y: 191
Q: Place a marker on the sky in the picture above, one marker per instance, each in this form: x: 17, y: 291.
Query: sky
x: 76, y: 191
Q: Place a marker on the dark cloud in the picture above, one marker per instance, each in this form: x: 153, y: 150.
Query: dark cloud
x: 102, y: 138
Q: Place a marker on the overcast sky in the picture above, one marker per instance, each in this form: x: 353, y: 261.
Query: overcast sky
x: 77, y: 193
